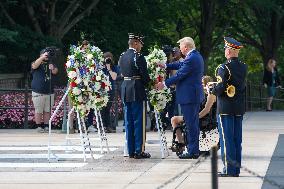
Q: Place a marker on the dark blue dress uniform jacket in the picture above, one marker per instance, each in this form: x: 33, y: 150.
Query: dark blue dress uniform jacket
x: 233, y: 72
x: 133, y: 64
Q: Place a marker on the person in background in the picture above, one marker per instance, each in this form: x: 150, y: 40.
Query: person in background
x: 43, y: 72
x: 271, y: 81
x: 112, y: 72
x: 177, y: 56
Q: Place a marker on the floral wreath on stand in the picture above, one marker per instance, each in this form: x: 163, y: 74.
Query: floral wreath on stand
x: 89, y: 86
x: 158, y: 98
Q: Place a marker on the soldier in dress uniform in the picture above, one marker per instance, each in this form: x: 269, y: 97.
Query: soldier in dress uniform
x: 230, y: 92
x: 133, y: 68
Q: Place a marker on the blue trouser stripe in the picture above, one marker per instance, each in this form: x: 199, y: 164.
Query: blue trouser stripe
x: 133, y: 116
x: 191, y: 117
x: 230, y: 131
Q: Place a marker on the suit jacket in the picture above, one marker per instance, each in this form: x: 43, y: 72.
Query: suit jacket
x: 188, y: 78
x: 133, y: 64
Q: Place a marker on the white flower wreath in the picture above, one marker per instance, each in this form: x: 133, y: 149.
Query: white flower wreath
x: 89, y: 86
x: 158, y: 98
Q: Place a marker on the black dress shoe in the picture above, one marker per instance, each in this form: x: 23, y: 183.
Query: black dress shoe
x: 145, y: 155
x: 137, y: 156
x: 131, y: 156
x: 142, y: 155
x: 188, y: 156
x: 227, y: 175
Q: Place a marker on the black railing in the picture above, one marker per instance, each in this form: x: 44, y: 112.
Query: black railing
x: 256, y: 98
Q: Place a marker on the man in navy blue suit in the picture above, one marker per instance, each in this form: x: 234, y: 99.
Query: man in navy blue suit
x: 189, y: 92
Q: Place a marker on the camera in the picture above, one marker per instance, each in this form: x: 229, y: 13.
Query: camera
x: 51, y: 53
x: 108, y: 60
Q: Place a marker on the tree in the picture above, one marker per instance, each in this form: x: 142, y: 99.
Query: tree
x: 49, y: 17
x: 204, y: 20
x: 260, y: 23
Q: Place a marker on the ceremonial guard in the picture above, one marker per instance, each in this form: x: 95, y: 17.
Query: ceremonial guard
x: 133, y: 68
x: 230, y: 92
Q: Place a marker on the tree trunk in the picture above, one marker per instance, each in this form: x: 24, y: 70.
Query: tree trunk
x: 206, y: 29
x: 271, y: 41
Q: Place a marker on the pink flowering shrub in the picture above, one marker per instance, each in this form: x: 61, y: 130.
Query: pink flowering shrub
x: 15, y: 118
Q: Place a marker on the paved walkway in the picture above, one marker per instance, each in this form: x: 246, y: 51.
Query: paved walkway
x: 23, y: 162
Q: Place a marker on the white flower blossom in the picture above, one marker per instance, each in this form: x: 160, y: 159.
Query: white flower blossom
x: 76, y: 91
x: 72, y: 74
x: 89, y: 56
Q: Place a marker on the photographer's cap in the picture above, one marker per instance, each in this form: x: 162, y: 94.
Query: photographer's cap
x: 136, y: 36
x: 48, y: 49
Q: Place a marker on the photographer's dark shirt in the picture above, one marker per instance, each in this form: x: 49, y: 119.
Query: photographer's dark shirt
x: 116, y: 70
x: 41, y: 82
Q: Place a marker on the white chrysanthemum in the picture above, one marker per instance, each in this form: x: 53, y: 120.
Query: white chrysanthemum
x: 68, y: 64
x: 78, y: 80
x: 98, y: 77
x: 72, y: 74
x: 71, y: 57
x: 89, y: 56
x: 86, y: 81
x: 76, y: 91
x: 80, y: 98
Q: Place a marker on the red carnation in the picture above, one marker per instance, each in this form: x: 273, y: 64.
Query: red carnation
x: 103, y: 85
x: 160, y: 78
x: 98, y: 96
x: 73, y: 84
x: 94, y: 78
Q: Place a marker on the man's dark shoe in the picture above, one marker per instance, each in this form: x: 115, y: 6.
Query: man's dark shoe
x: 188, y: 156
x: 131, y: 156
x: 137, y: 156
x: 145, y: 155
x: 142, y: 155
x: 227, y: 175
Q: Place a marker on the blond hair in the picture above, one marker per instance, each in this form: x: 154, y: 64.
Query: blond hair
x: 188, y: 42
x: 268, y: 65
x: 206, y: 79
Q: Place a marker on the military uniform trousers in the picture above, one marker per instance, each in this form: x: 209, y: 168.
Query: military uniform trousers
x: 190, y: 113
x: 133, y: 115
x: 230, y: 131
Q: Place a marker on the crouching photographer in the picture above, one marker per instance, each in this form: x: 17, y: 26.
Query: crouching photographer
x: 112, y: 72
x: 43, y: 70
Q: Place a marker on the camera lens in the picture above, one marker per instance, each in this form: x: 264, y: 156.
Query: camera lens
x: 108, y: 61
